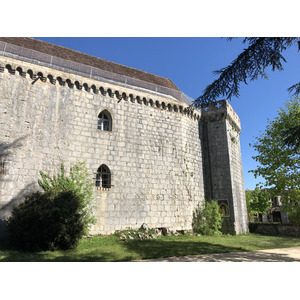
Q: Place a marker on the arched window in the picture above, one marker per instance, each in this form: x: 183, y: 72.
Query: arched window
x: 104, y: 121
x: 103, y: 177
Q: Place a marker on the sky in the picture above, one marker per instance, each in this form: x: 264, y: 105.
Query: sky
x: 189, y: 63
x: 188, y: 59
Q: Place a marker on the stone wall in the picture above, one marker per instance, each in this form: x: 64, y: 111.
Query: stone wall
x: 164, y: 158
x: 223, y: 164
x: 153, y: 151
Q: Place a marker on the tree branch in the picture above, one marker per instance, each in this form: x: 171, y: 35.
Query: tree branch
x: 250, y: 64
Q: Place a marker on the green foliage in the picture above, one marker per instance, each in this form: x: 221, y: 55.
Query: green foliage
x: 291, y: 136
x: 291, y: 204
x: 278, y: 163
x: 207, y: 219
x: 57, y: 218
x: 261, y: 53
x: 48, y: 221
x: 258, y: 202
x: 78, y: 181
x: 253, y: 226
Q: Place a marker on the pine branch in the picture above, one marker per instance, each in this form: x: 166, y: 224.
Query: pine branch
x: 295, y: 88
x: 249, y: 65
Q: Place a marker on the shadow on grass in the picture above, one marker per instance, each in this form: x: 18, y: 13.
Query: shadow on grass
x: 111, y: 249
x: 93, y: 256
x: 127, y: 251
x: 162, y: 248
x: 257, y: 256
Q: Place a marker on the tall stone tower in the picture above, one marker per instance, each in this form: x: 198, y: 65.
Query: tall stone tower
x: 223, y: 164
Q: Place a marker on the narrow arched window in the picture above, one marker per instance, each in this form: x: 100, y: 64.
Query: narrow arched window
x: 104, y: 121
x: 103, y: 177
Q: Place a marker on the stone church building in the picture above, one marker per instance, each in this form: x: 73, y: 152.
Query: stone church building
x: 152, y: 158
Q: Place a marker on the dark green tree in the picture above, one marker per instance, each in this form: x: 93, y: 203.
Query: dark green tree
x: 261, y: 53
x: 291, y: 136
x: 251, y: 64
x: 47, y: 221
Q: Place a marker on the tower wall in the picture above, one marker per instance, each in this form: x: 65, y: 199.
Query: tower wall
x: 223, y: 164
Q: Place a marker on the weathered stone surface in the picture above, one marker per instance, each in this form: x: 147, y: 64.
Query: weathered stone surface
x: 163, y: 160
x: 144, y: 227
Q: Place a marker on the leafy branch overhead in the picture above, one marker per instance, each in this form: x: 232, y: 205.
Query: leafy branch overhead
x: 249, y: 65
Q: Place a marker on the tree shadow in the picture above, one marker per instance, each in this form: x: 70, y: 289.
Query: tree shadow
x: 6, y: 209
x: 6, y: 151
x: 151, y: 249
x: 94, y: 256
x: 10, y: 254
x: 256, y: 256
x: 155, y: 251
x: 16, y: 200
x: 193, y: 251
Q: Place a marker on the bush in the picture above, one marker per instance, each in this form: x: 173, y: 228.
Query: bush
x: 47, y: 221
x: 57, y: 218
x: 79, y: 182
x: 207, y: 219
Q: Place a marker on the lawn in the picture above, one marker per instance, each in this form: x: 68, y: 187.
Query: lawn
x: 110, y: 248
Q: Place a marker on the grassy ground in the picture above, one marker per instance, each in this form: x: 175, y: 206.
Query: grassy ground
x: 110, y: 248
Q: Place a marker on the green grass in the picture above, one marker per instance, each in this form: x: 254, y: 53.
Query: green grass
x: 110, y: 248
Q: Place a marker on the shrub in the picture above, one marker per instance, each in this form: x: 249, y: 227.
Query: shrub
x: 207, y: 219
x: 253, y: 226
x: 57, y: 218
x: 47, y: 221
x: 79, y: 182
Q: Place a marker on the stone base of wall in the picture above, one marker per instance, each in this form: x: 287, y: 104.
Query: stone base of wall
x: 275, y: 229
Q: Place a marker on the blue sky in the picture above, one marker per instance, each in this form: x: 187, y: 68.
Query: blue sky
x: 189, y: 62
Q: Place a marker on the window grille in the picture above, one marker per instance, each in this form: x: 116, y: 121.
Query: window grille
x: 103, y: 177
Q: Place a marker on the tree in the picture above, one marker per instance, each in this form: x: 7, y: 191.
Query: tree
x: 291, y: 136
x: 279, y: 163
x: 251, y: 64
x: 258, y: 202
